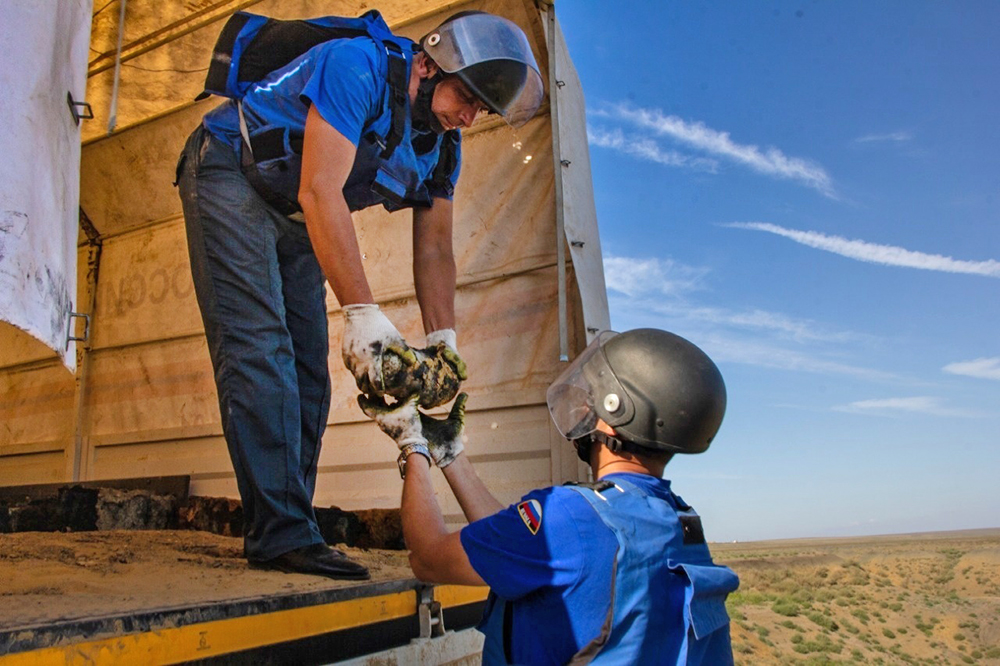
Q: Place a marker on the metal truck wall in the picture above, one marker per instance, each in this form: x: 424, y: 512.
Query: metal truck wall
x: 148, y: 404
x: 43, y: 46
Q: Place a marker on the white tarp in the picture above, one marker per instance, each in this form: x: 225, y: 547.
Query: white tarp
x: 43, y: 45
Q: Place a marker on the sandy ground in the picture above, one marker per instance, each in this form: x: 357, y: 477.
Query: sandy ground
x: 46, y: 577
x: 901, y: 599
x: 905, y: 599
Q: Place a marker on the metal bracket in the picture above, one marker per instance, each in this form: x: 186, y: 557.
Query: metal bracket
x: 74, y: 108
x: 430, y: 615
x: 86, y: 328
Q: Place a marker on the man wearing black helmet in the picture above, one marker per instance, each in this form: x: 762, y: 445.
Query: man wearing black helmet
x: 615, y: 571
x: 268, y: 182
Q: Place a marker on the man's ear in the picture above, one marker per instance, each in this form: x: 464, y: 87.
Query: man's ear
x: 426, y: 68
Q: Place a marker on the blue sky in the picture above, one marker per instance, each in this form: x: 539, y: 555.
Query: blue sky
x: 810, y: 191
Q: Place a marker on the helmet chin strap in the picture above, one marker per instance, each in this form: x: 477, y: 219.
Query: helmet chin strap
x: 422, y: 117
x: 583, y: 444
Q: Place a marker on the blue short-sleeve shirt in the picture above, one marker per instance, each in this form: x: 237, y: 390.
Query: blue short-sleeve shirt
x: 553, y: 555
x: 345, y: 80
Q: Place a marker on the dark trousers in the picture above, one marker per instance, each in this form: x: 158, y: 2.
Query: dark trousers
x: 263, y: 301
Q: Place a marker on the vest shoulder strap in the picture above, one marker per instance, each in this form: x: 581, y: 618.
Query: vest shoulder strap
x: 251, y: 46
x: 447, y: 161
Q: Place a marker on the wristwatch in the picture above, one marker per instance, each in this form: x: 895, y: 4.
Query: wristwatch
x: 404, y: 453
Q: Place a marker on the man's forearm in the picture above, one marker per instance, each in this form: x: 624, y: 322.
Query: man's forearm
x: 436, y: 555
x: 331, y: 232
x: 434, y: 270
x: 470, y: 491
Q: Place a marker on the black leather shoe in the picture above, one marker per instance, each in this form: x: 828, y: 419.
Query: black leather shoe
x: 317, y: 559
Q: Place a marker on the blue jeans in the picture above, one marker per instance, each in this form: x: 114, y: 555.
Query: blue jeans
x: 262, y: 297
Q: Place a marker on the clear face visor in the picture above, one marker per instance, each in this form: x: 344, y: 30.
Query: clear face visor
x: 572, y: 396
x: 480, y: 38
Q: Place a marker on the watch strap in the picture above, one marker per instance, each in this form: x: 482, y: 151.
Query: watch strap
x: 407, y: 451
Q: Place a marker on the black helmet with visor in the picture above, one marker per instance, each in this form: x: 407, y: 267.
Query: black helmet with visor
x: 656, y: 389
x: 491, y: 55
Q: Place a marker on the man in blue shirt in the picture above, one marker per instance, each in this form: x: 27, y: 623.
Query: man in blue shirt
x: 268, y: 184
x: 616, y: 571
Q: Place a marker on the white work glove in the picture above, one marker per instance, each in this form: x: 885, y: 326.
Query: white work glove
x: 405, y: 424
x: 445, y: 335
x: 400, y: 421
x: 369, y: 340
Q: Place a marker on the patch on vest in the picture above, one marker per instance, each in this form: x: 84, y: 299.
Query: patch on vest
x: 691, y: 524
x: 531, y: 513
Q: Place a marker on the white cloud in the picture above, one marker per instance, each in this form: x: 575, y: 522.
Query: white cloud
x: 653, y: 292
x: 892, y: 137
x: 887, y: 255
x: 982, y: 368
x: 645, y: 283
x: 895, y: 406
x: 636, y: 277
x: 727, y: 348
x: 646, y: 149
x: 769, y: 161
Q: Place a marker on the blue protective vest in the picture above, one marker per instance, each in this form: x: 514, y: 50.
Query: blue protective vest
x: 397, y: 182
x: 386, y: 169
x: 668, y: 597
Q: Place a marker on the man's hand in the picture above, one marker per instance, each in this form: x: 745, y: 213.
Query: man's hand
x: 369, y: 341
x: 444, y: 436
x: 400, y: 421
x: 449, y: 350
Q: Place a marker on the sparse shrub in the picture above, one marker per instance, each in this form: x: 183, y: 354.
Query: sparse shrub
x: 967, y: 659
x: 888, y: 633
x: 822, y: 621
x: 959, y: 636
x: 797, y: 638
x: 976, y: 654
x: 785, y: 607
x: 802, y: 595
x: 896, y: 607
x: 822, y: 644
x: 861, y: 614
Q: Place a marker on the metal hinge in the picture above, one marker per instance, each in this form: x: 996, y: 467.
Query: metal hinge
x: 76, y: 107
x: 86, y: 328
x: 430, y: 615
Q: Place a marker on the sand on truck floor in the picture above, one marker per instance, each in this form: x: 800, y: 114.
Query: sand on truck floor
x: 52, y: 576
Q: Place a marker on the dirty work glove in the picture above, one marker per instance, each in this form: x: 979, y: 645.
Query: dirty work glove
x: 400, y: 421
x: 449, y: 352
x: 444, y: 436
x: 368, y: 337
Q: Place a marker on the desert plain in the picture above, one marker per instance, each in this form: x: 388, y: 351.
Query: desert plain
x: 930, y: 598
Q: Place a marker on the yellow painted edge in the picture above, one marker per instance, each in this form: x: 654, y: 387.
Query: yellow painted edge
x: 210, y: 639
x: 459, y: 595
